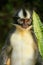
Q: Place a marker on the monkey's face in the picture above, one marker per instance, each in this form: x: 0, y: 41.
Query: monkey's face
x: 23, y: 18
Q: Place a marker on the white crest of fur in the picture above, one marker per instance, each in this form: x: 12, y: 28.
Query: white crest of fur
x: 20, y: 14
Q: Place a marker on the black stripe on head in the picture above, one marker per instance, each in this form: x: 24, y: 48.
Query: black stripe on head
x: 24, y: 13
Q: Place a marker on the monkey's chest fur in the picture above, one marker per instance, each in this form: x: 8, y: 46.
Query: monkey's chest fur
x: 23, y: 45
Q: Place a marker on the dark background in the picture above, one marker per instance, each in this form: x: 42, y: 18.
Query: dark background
x: 8, y: 8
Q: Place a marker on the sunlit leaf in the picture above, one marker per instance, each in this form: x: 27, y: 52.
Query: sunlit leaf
x: 38, y: 28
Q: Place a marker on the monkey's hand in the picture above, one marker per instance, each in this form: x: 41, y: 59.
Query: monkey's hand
x: 8, y: 61
x: 5, y: 55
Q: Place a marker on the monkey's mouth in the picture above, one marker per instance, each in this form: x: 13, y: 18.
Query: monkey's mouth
x: 25, y: 26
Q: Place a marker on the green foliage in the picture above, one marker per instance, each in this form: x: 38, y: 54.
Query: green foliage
x: 9, y: 8
x: 1, y: 22
x: 38, y: 29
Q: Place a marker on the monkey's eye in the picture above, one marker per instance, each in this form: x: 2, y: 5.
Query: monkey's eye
x: 29, y: 21
x: 20, y: 21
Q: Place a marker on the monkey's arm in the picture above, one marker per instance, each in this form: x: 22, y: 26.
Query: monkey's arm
x: 5, y: 54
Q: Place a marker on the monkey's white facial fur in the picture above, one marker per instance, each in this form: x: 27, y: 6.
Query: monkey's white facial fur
x: 24, y: 18
x: 21, y: 14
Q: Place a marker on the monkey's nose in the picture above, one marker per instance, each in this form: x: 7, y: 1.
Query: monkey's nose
x: 26, y: 23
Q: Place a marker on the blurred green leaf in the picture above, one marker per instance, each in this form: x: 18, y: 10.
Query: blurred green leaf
x: 9, y: 7
x: 1, y: 22
x: 38, y: 27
